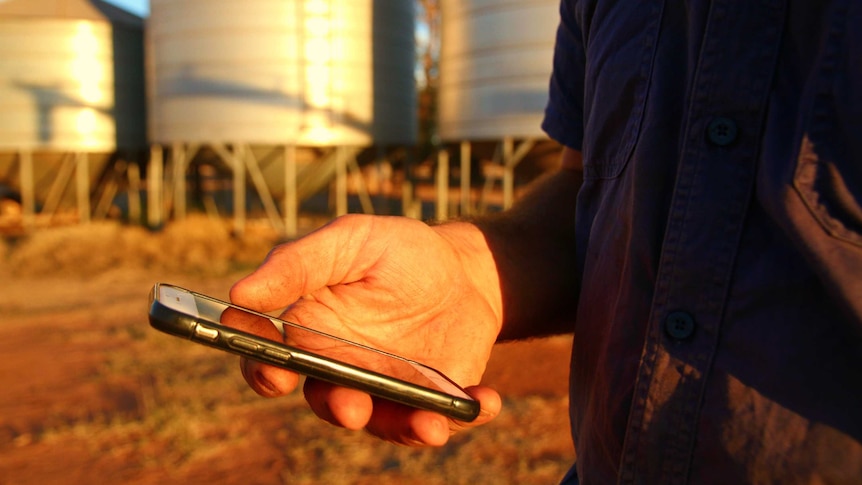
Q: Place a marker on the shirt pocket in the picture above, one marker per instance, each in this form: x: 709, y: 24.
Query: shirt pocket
x: 621, y: 39
x: 828, y: 174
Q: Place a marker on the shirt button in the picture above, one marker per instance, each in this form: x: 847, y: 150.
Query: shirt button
x: 679, y: 325
x: 721, y: 131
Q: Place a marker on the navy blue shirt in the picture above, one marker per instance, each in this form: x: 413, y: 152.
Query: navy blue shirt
x: 719, y: 328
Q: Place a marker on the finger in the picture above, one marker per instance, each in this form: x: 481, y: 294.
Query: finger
x: 425, y: 428
x: 491, y: 404
x: 404, y: 425
x: 414, y: 427
x: 341, y: 406
x: 266, y: 380
x: 325, y: 257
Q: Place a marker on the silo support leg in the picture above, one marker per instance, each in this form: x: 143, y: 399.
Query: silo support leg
x: 442, y: 209
x: 82, y: 180
x: 155, y: 186
x: 410, y: 206
x: 381, y: 189
x: 508, y: 174
x: 263, y: 191
x: 511, y: 158
x: 133, y: 172
x: 340, y: 181
x: 466, y: 202
x: 109, y: 189
x: 59, y: 185
x: 361, y: 189
x: 291, y: 204
x: 235, y: 160
x: 238, y: 189
x: 28, y: 192
x: 408, y: 201
x: 179, y: 162
x: 243, y: 161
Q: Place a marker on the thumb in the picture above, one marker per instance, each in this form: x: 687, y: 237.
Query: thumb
x: 326, y: 257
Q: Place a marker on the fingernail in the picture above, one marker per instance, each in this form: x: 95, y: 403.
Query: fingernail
x: 485, y: 413
x: 413, y: 442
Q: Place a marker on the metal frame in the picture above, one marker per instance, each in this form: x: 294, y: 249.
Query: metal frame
x: 508, y: 155
x: 167, y: 188
x: 77, y: 163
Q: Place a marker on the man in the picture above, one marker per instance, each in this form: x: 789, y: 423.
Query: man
x: 711, y: 273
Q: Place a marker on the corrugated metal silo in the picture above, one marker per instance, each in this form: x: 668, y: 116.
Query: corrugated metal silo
x: 260, y: 79
x: 495, y: 64
x: 71, y: 82
x: 300, y: 72
x: 63, y: 64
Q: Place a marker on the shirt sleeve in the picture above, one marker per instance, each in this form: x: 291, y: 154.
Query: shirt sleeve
x: 564, y: 113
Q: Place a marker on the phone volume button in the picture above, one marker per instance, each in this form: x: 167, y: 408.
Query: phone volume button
x: 244, y: 344
x: 278, y: 354
x: 205, y: 333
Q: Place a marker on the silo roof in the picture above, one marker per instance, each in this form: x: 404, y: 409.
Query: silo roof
x: 69, y: 9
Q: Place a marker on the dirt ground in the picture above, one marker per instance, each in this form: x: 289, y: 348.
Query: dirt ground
x: 90, y: 393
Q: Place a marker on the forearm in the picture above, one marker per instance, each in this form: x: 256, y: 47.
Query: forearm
x: 530, y: 255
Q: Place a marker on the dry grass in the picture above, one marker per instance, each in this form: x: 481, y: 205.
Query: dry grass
x: 91, y: 393
x: 197, y: 245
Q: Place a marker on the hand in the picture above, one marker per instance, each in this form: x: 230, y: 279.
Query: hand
x: 430, y: 294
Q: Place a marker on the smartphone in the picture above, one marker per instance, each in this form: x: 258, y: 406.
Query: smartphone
x: 215, y: 323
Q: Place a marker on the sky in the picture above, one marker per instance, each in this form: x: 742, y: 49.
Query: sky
x: 137, y: 7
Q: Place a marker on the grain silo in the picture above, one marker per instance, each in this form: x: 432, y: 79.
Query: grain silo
x: 72, y: 96
x: 278, y: 79
x: 495, y: 66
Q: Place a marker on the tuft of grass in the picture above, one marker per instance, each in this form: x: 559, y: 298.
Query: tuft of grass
x: 197, y: 245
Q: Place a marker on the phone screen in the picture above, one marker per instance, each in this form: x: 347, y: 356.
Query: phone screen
x: 310, y: 342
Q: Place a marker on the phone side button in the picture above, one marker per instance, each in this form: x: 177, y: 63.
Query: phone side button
x: 278, y: 354
x: 204, y: 333
x: 244, y: 344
